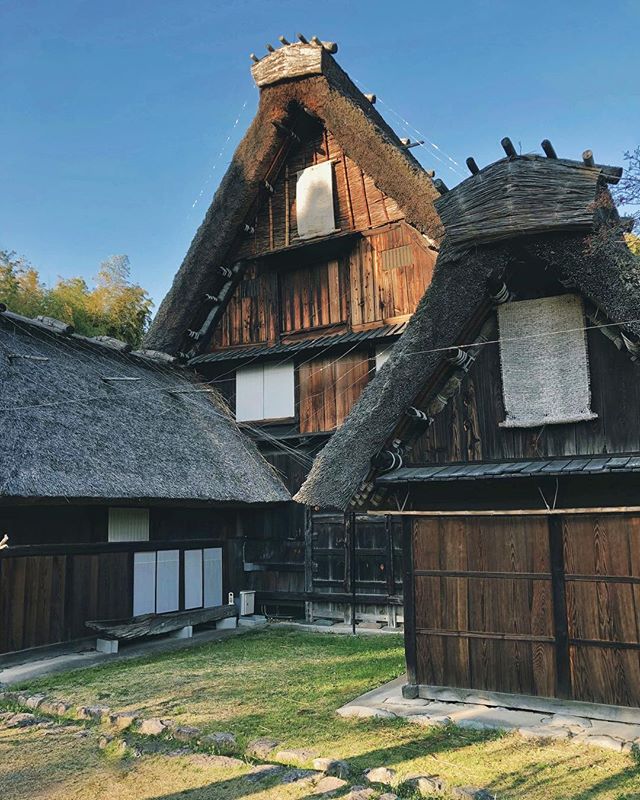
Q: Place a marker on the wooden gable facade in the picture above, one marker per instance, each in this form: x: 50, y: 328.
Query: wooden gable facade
x: 365, y: 279
x: 290, y: 300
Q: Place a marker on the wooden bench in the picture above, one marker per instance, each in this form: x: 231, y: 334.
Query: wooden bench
x: 179, y: 623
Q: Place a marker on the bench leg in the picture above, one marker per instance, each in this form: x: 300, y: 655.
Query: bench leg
x: 109, y: 646
x: 225, y: 624
x: 182, y: 633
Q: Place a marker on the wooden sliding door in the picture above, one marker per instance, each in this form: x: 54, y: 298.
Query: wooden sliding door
x: 538, y: 605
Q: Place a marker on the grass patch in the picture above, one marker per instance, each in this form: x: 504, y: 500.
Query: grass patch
x: 286, y: 685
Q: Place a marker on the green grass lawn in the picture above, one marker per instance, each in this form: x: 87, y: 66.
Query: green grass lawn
x: 286, y: 685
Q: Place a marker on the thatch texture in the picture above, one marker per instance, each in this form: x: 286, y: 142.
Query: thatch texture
x: 602, y: 269
x: 365, y: 137
x: 522, y: 195
x: 68, y: 433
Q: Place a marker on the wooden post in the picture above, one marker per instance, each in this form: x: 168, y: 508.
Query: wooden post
x: 556, y: 554
x: 350, y: 563
x: 308, y: 561
x: 391, y: 579
x: 410, y: 644
x: 474, y: 169
x: 548, y: 149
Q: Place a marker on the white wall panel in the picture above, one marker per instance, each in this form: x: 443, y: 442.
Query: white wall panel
x: 314, y: 201
x: 279, y: 391
x: 144, y: 583
x: 212, y: 577
x: 249, y: 393
x: 192, y: 578
x: 128, y: 525
x: 167, y: 574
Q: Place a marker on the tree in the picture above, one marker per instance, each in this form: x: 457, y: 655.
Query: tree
x: 114, y: 307
x: 627, y: 192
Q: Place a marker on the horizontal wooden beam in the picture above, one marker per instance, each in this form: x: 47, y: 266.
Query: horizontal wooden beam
x: 507, y: 637
x: 451, y: 573
x: 513, y: 512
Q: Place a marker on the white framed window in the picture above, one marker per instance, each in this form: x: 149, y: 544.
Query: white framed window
x: 544, y: 361
x: 314, y: 201
x: 128, y: 525
x: 265, y: 391
x: 383, y: 351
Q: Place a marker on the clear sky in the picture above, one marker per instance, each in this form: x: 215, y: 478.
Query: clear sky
x: 114, y: 113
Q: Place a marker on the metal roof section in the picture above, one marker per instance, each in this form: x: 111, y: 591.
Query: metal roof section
x: 321, y: 343
x: 512, y: 469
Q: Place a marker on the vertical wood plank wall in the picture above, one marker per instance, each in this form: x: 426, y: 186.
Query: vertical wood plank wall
x: 329, y: 388
x: 487, y: 591
x: 46, y: 599
x: 468, y: 428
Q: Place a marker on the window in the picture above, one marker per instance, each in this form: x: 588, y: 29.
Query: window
x: 314, y: 201
x: 265, y: 391
x: 545, y: 378
x: 128, y: 525
x: 383, y: 351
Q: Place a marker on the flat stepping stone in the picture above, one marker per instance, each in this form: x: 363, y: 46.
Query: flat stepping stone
x: 364, y: 712
x: 23, y: 720
x: 219, y: 739
x: 604, y: 741
x: 152, y: 727
x: 329, y: 785
x: 425, y: 785
x: 262, y: 748
x: 332, y: 766
x: 383, y: 775
x: 300, y: 756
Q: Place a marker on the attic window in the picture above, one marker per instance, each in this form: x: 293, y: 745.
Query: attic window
x: 265, y: 391
x: 545, y: 377
x: 314, y: 201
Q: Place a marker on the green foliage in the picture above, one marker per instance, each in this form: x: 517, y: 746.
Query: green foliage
x: 113, y: 307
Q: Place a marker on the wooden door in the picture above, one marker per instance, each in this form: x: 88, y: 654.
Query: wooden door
x: 537, y: 605
x: 602, y: 580
x: 483, y: 604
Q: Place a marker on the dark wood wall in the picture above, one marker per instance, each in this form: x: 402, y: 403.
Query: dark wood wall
x: 358, y: 203
x: 538, y: 605
x: 468, y: 428
x: 377, y: 278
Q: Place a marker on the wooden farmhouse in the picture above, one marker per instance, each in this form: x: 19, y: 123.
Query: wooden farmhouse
x: 504, y: 433
x: 126, y: 488
x: 310, y: 261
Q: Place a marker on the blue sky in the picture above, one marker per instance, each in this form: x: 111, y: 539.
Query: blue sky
x: 114, y: 114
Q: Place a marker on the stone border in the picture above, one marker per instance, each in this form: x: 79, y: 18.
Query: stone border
x: 328, y: 776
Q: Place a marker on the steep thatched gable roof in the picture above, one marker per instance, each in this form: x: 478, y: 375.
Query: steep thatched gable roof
x: 82, y: 418
x: 325, y: 91
x: 600, y: 266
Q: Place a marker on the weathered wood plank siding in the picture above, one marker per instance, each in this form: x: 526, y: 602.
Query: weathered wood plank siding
x: 467, y: 429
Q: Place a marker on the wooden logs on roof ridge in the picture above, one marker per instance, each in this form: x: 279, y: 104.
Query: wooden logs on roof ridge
x: 587, y: 158
x: 441, y: 186
x: 507, y: 146
x: 548, y: 148
x: 474, y: 169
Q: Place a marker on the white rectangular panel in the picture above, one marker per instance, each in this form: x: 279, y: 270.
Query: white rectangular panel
x: 249, y: 394
x: 545, y: 369
x: 128, y: 525
x: 382, y: 354
x: 314, y: 201
x: 193, y: 578
x: 144, y: 583
x: 167, y: 577
x: 279, y: 391
x: 212, y: 577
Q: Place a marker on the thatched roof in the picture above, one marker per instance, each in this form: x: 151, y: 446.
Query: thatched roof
x: 66, y: 432
x: 523, y: 194
x: 325, y: 91
x: 600, y: 266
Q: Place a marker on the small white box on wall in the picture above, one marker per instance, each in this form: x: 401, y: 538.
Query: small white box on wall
x: 247, y: 603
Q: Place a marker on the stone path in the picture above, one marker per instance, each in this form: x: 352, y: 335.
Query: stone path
x: 388, y: 702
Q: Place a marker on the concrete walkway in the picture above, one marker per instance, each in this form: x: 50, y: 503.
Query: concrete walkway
x: 27, y: 666
x: 388, y: 702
